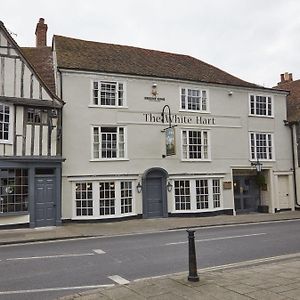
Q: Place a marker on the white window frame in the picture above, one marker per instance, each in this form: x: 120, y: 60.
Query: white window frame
x: 9, y: 140
x: 96, y: 198
x: 118, y: 151
x: 194, y: 89
x: 193, y: 195
x: 202, y: 131
x: 118, y: 85
x: 253, y: 155
x: 271, y: 104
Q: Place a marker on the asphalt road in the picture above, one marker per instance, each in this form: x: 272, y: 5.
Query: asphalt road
x: 47, y: 270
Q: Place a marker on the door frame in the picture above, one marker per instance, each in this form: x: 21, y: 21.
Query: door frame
x: 158, y: 173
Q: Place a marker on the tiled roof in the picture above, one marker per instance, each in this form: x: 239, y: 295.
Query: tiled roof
x: 109, y: 58
x: 293, y: 99
x: 42, y: 60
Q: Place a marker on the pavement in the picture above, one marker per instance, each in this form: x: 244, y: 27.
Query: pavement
x: 271, y: 278
x: 263, y: 281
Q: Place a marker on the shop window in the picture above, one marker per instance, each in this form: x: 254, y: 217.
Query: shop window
x: 13, y: 190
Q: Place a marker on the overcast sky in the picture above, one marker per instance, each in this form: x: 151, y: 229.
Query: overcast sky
x: 255, y: 40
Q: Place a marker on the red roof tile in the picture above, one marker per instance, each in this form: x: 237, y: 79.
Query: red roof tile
x: 109, y: 58
x: 42, y: 60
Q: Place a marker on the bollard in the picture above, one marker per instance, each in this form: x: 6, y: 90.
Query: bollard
x: 193, y: 275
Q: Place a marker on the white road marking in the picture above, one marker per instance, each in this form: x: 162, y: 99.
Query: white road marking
x: 196, y: 227
x: 118, y: 279
x: 84, y: 287
x: 51, y: 256
x: 99, y: 251
x: 218, y: 238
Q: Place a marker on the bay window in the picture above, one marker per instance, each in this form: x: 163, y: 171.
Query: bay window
x: 196, y: 195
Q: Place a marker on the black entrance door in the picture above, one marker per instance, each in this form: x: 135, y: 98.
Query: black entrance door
x: 45, y: 207
x: 154, y: 197
x: 246, y: 194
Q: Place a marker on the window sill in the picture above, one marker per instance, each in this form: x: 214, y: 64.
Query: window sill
x: 196, y: 210
x: 195, y: 111
x: 196, y: 160
x: 261, y: 116
x: 19, y: 213
x: 6, y: 142
x: 107, y: 107
x: 109, y: 159
x: 104, y: 217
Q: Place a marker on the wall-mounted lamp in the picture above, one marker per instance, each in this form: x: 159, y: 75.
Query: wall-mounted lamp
x: 139, y: 187
x: 258, y: 165
x: 169, y: 186
x: 230, y: 93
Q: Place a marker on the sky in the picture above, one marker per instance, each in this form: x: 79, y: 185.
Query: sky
x: 255, y: 40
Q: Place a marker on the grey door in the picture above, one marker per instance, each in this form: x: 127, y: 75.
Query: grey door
x: 246, y: 194
x: 45, y: 207
x: 154, y: 197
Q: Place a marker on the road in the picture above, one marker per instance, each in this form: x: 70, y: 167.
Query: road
x: 47, y: 270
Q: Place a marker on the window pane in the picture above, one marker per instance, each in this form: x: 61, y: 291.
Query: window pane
x: 182, y: 195
x: 83, y: 192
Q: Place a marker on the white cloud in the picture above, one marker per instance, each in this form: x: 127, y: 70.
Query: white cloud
x: 254, y: 40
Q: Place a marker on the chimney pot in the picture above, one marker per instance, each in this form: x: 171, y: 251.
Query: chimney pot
x: 41, y: 33
x: 286, y: 77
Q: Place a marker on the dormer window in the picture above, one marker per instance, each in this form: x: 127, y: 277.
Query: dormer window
x: 108, y: 93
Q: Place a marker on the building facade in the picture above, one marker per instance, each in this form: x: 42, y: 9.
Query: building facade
x: 293, y: 118
x: 30, y: 141
x: 128, y: 108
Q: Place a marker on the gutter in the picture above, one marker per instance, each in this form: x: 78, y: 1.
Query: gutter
x: 291, y: 124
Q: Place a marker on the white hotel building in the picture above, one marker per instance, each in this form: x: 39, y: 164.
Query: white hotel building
x: 119, y: 104
x: 114, y: 139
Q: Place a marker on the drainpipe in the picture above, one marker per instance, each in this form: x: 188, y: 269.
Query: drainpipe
x: 290, y: 124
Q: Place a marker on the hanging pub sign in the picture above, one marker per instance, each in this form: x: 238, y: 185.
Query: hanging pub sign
x: 170, y: 141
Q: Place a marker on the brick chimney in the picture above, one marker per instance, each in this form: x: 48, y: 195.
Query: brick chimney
x: 41, y: 33
x: 286, y: 77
